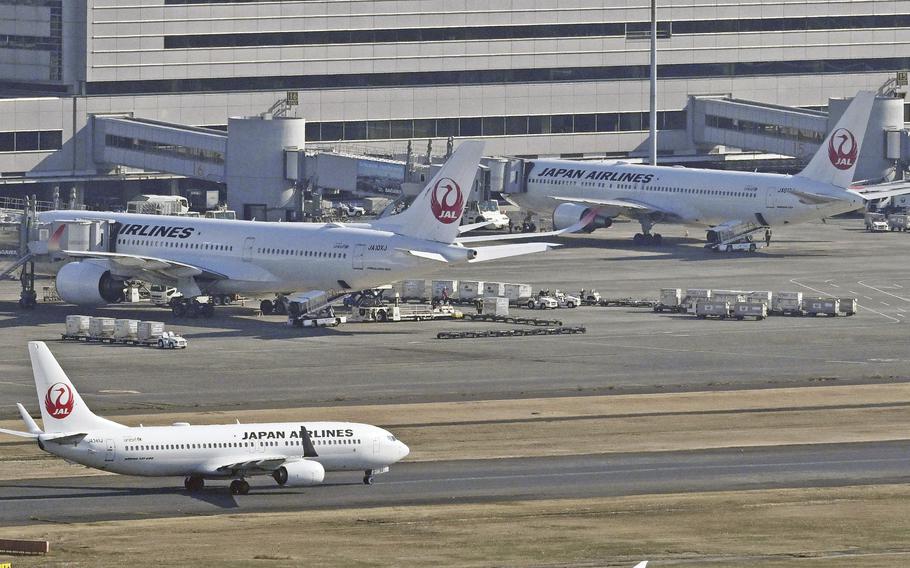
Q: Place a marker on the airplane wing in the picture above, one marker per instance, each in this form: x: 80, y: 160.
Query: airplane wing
x: 881, y: 191
x: 618, y: 203
x: 262, y: 464
x: 512, y: 236
x: 132, y: 264
x: 502, y: 251
x: 472, y: 226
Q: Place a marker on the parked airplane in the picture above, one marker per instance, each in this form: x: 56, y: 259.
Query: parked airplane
x: 295, y: 454
x: 732, y: 203
x: 211, y: 256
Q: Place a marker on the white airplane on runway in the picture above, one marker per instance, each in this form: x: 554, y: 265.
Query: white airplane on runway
x: 210, y: 256
x: 295, y: 454
x: 732, y: 203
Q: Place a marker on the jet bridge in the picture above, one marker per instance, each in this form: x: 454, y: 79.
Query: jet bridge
x: 160, y: 146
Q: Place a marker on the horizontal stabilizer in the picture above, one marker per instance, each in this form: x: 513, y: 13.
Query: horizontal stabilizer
x: 503, y: 251
x: 584, y: 222
x: 427, y: 255
x: 18, y: 433
x: 809, y: 198
x: 64, y: 438
x: 472, y: 227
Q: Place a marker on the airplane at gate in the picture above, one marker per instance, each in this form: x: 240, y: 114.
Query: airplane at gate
x: 212, y: 256
x: 294, y: 454
x: 571, y: 191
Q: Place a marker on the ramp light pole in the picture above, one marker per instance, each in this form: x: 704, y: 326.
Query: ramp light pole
x: 653, y: 97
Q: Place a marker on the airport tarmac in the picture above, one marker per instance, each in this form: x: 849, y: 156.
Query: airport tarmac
x: 90, y: 499
x: 239, y: 360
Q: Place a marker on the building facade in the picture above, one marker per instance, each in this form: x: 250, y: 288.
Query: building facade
x: 531, y: 77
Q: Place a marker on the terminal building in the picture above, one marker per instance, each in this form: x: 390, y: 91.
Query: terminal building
x: 106, y: 99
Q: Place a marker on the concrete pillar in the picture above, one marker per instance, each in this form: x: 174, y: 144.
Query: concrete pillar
x: 255, y: 165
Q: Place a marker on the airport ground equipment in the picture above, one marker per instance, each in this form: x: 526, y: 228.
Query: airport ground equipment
x: 469, y: 290
x: 564, y: 300
x: 403, y: 312
x: 847, y: 306
x: 542, y: 302
x: 517, y: 320
x: 735, y: 236
x: 589, y: 297
x: 671, y: 300
x: 821, y: 306
x: 899, y: 222
x: 712, y: 308
x: 517, y: 293
x: 493, y: 307
x: 122, y: 332
x: 787, y: 304
x: 497, y: 333
x: 876, y: 222
x: 743, y: 310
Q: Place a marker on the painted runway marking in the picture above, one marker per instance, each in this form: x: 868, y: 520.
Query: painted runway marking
x: 806, y: 286
x: 861, y: 283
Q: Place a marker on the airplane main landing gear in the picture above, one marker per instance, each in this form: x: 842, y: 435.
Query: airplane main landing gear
x: 192, y: 308
x: 647, y: 239
x: 239, y: 487
x: 194, y: 483
x: 368, y: 477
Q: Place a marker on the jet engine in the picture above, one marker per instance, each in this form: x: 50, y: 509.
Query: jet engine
x: 88, y: 283
x: 299, y: 474
x: 567, y: 214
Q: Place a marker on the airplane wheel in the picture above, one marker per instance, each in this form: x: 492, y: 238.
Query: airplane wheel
x: 638, y: 239
x: 217, y: 300
x: 266, y: 307
x: 239, y: 487
x: 752, y: 247
x: 194, y: 483
x: 658, y: 239
x: 368, y: 480
x: 382, y: 316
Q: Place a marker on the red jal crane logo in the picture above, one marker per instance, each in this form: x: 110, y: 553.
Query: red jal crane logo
x: 842, y: 149
x: 446, y: 201
x: 59, y: 400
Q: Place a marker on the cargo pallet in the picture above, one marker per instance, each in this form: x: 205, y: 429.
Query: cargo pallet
x: 474, y: 334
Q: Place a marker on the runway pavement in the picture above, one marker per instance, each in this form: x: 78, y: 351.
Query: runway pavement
x: 116, y: 497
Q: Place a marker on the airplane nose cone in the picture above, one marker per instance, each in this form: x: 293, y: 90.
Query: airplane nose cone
x: 403, y: 450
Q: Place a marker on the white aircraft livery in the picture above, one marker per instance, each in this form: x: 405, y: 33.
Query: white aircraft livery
x: 295, y: 454
x: 210, y: 256
x: 735, y: 201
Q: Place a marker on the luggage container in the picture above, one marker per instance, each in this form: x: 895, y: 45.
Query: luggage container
x: 494, y: 289
x: 671, y: 300
x: 126, y: 329
x: 470, y: 290
x: 731, y: 296
x: 77, y: 326
x: 150, y: 330
x: 848, y: 306
x: 824, y: 306
x: 898, y: 221
x: 787, y: 303
x: 495, y: 306
x: 101, y: 328
x: 762, y: 296
x: 413, y: 290
x: 518, y: 293
x: 757, y: 310
x: 443, y: 289
x: 712, y: 308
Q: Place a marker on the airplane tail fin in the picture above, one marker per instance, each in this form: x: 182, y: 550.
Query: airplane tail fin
x: 435, y: 213
x: 62, y: 409
x: 835, y: 161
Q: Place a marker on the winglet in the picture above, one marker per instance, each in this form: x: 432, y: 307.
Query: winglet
x: 308, y: 450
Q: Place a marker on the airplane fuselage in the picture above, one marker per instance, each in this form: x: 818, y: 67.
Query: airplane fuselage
x: 262, y: 257
x: 689, y: 196
x: 201, y: 450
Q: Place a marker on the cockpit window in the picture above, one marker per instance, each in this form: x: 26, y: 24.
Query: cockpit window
x: 392, y: 438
